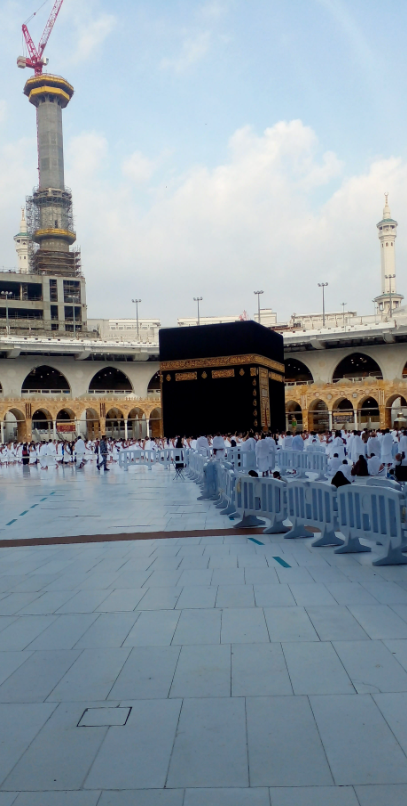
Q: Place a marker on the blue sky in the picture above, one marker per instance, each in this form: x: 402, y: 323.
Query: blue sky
x: 216, y: 147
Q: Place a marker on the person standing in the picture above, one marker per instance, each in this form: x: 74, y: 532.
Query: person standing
x: 103, y: 450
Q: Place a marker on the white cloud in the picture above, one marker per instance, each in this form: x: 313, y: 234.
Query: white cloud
x: 87, y: 153
x: 138, y: 167
x: 213, y: 10
x: 91, y: 33
x: 255, y: 220
x: 193, y: 49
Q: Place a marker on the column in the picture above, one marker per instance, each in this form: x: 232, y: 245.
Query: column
x: 385, y: 416
x: 355, y: 419
x: 330, y: 420
x: 2, y: 432
x: 28, y: 429
x: 54, y: 429
x: 125, y: 429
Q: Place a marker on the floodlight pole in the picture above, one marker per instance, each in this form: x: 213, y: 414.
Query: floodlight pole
x: 323, y: 286
x: 198, y: 300
x: 258, y: 294
x: 136, y: 301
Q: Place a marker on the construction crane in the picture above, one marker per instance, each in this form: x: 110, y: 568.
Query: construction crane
x: 36, y: 59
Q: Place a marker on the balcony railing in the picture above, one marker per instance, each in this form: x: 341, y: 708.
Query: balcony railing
x: 55, y: 392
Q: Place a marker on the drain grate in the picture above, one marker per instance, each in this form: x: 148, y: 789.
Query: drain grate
x: 104, y: 717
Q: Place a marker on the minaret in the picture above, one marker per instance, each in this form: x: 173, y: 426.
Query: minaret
x: 23, y: 244
x: 388, y: 300
x: 49, y: 209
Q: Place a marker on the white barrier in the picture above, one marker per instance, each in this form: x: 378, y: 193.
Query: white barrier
x: 318, y: 463
x: 264, y: 497
x: 293, y: 460
x: 166, y: 457
x: 313, y: 504
x: 377, y: 515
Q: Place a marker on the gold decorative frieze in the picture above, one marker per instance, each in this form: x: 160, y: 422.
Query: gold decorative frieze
x: 186, y: 376
x: 222, y: 361
x: 223, y: 373
x: 274, y: 377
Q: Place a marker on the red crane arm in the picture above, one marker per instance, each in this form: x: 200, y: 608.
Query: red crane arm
x: 49, y: 26
x: 32, y: 50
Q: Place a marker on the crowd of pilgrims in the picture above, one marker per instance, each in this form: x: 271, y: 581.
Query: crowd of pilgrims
x: 351, y: 454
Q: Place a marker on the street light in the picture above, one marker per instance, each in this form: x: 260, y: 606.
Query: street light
x: 136, y: 301
x: 198, y: 300
x: 390, y: 277
x: 323, y: 286
x: 6, y: 295
x: 258, y: 293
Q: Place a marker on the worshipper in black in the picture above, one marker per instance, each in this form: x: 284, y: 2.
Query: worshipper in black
x: 226, y: 378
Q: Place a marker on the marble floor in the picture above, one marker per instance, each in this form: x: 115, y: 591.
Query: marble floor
x: 208, y: 671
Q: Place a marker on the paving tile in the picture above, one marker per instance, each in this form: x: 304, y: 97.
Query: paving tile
x: 109, y: 630
x: 57, y: 799
x: 200, y: 596
x: 336, y: 624
x: 315, y: 668
x: 289, y: 624
x: 227, y: 797
x: 153, y: 628
x: 371, y: 667
x: 235, y: 596
x: 132, y: 579
x: 227, y: 562
x: 121, y: 600
x: 159, y: 599
x: 5, y: 621
x: 92, y: 676
x: 147, y: 673
x: 84, y: 602
x: 378, y: 621
x: 19, y: 724
x: 162, y: 579
x: 386, y: 592
x: 273, y: 596
x: 60, y: 755
x: 259, y: 670
x: 202, y: 671
x: 243, y: 626
x: 307, y: 595
x: 399, y: 650
x: 228, y: 576
x: 193, y: 563
x: 38, y: 676
x: 395, y: 795
x: 7, y: 798
x: 137, y: 756
x: 251, y: 561
x: 314, y: 796
x: 14, y: 602
x: 291, y: 576
x: 349, y: 593
x: 261, y: 576
x: 359, y: 745
x: 284, y: 745
x: 393, y: 708
x: 23, y: 631
x: 202, y: 577
x: 198, y: 627
x: 10, y: 661
x: 143, y: 797
x: 46, y: 603
x: 64, y: 632
x: 210, y: 746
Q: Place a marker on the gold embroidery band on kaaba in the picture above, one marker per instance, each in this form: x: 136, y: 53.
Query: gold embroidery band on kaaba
x: 222, y: 361
x: 223, y: 373
x: 186, y: 376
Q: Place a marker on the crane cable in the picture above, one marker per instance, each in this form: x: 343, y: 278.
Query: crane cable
x: 36, y: 12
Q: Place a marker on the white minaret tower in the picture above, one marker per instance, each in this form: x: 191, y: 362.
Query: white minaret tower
x: 23, y: 244
x: 388, y: 300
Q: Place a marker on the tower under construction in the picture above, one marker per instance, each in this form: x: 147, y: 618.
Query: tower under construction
x: 49, y: 209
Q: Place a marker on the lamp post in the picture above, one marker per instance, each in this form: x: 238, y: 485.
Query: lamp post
x: 390, y: 277
x: 136, y: 301
x: 343, y: 314
x: 258, y: 293
x: 6, y: 295
x: 198, y: 300
x: 323, y: 286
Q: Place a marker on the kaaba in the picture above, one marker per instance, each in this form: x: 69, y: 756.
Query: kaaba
x: 227, y: 378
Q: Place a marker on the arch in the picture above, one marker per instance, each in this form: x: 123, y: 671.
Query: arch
x: 404, y: 372
x: 89, y: 424
x: 137, y: 424
x: 369, y: 414
x: 45, y: 380
x: 154, y: 386
x: 355, y: 367
x: 155, y: 422
x: 66, y: 424
x: 296, y: 372
x: 42, y: 425
x: 294, y: 419
x: 110, y: 379
x: 343, y: 413
x: 318, y: 416
x: 115, y: 423
x: 14, y: 426
x: 396, y: 405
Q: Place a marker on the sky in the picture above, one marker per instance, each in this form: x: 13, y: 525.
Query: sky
x: 217, y: 148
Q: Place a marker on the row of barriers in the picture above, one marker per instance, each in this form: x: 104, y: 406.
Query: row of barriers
x: 354, y: 518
